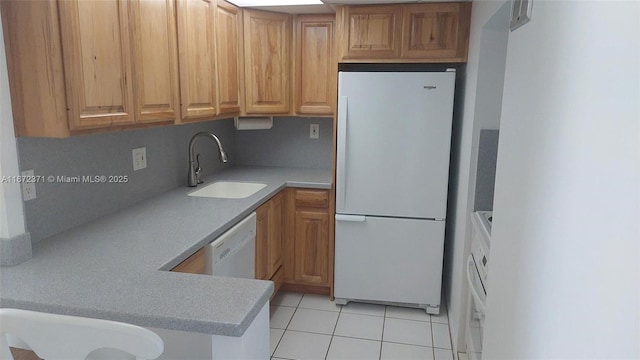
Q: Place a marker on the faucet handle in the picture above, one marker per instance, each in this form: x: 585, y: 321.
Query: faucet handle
x: 198, y: 170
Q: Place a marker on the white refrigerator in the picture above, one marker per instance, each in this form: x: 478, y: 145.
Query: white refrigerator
x: 392, y: 171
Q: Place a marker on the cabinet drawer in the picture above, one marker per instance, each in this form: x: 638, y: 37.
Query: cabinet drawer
x: 312, y: 198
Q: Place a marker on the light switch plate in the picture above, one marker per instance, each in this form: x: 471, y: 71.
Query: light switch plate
x: 139, y: 158
x: 28, y: 188
x: 314, y: 131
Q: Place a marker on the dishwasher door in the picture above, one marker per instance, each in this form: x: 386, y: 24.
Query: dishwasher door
x: 233, y: 253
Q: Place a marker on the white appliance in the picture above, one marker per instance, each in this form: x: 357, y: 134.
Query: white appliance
x: 394, y: 136
x: 477, y: 267
x: 233, y: 253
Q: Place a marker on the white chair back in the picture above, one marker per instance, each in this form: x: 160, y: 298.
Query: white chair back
x: 63, y: 337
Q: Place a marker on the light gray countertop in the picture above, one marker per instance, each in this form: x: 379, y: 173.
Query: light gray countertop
x: 112, y: 268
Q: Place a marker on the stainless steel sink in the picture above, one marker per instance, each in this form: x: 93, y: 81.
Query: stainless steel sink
x: 229, y: 190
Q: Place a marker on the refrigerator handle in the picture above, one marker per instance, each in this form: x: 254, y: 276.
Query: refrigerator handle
x: 342, y: 151
x: 351, y: 218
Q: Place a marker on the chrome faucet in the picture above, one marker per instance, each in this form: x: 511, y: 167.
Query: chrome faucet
x: 193, y: 179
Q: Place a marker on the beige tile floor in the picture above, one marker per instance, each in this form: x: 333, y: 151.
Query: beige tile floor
x: 306, y: 326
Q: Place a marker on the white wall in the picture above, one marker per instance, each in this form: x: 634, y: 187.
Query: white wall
x: 11, y: 210
x: 564, y: 276
x: 479, y: 90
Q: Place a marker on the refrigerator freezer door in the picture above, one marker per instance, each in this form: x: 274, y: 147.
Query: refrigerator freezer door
x: 394, y: 137
x: 389, y: 260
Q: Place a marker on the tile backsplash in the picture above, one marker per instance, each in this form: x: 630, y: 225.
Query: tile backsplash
x: 60, y: 206
x: 287, y: 143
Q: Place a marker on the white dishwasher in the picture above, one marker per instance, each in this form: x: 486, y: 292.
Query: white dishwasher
x: 233, y: 253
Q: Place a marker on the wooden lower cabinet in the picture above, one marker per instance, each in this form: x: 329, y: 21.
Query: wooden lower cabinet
x: 270, y: 240
x: 308, y: 245
x: 194, y: 264
x: 311, y: 247
x: 293, y: 242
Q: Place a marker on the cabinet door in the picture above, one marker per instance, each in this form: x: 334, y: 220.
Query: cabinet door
x: 155, y: 65
x: 439, y: 32
x: 276, y: 240
x: 262, y: 241
x: 371, y: 32
x: 196, y: 36
x: 316, y: 68
x: 34, y: 78
x: 266, y: 52
x: 312, y: 247
x: 97, y: 63
x: 228, y: 31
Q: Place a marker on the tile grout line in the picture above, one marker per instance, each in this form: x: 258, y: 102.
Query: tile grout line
x: 333, y: 333
x: 433, y: 342
x: 286, y: 327
x: 384, y: 320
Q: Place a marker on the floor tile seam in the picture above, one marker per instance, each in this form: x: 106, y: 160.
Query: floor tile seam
x: 352, y: 313
x: 309, y: 332
x: 333, y: 333
x: 310, y: 308
x: 279, y: 341
x: 357, y: 338
x: 399, y: 318
x: 441, y: 348
x: 433, y: 341
x: 288, y: 306
x: 384, y: 320
x: 329, y: 311
x: 401, y: 343
x: 448, y: 335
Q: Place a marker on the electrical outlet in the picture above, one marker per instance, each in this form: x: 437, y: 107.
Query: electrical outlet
x: 28, y: 188
x: 314, y: 131
x: 139, y: 158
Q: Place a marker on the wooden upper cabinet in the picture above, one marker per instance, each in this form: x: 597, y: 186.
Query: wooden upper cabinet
x: 84, y: 66
x: 371, y: 32
x: 267, y: 56
x: 36, y: 79
x: 196, y: 48
x: 228, y: 53
x: 315, y: 64
x: 155, y: 55
x: 436, y: 31
x: 97, y: 62
x: 426, y: 32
